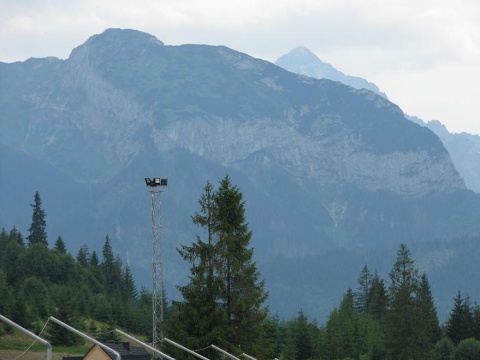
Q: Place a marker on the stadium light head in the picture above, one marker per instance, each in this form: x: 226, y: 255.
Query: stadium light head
x: 156, y: 182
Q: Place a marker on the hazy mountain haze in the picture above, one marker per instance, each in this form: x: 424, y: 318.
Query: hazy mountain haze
x: 332, y: 176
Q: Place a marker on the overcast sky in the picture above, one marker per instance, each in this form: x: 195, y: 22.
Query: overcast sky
x: 424, y: 54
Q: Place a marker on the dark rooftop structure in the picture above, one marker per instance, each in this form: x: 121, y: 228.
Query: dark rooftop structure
x: 126, y: 351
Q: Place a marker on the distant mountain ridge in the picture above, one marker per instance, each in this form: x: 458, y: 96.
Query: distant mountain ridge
x: 464, y: 148
x: 302, y: 61
x: 324, y: 168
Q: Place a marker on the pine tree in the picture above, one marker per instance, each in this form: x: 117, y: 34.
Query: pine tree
x: 17, y: 236
x: 10, y: 255
x: 378, y: 299
x: 344, y: 336
x: 242, y: 293
x: 60, y: 245
x: 197, y: 320
x: 129, y: 289
x: 108, y: 263
x: 143, y: 315
x: 476, y: 320
x: 222, y: 303
x: 6, y: 296
x: 83, y: 256
x: 37, y: 232
x: 299, y: 339
x: 93, y: 261
x: 460, y: 322
x: 365, y: 281
x: 401, y: 330
x: 427, y: 314
x: 275, y: 334
x: 4, y: 239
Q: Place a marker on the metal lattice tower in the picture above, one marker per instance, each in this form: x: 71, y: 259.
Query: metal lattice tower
x: 155, y: 187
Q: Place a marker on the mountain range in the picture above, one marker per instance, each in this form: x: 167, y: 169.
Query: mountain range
x: 333, y: 176
x: 463, y: 148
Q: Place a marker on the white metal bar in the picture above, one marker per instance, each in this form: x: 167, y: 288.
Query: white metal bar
x: 86, y: 337
x: 185, y: 349
x: 38, y: 338
x: 224, y: 352
x: 248, y: 356
x: 145, y: 345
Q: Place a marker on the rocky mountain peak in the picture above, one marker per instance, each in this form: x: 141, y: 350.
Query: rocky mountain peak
x: 117, y: 42
x: 300, y: 53
x: 302, y: 61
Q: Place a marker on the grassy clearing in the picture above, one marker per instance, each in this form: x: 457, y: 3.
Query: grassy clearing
x: 12, y: 346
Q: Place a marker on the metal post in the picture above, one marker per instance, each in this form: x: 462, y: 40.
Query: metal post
x: 155, y: 187
x: 86, y: 337
x: 38, y: 338
x: 248, y: 356
x: 144, y: 345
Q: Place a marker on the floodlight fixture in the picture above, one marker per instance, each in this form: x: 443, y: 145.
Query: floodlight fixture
x: 156, y: 182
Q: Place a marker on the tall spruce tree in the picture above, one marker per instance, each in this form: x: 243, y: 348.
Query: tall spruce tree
x: 242, y: 293
x: 299, y: 343
x: 427, y: 314
x: 60, y: 245
x: 108, y: 263
x: 378, y: 299
x: 129, y: 289
x: 83, y: 256
x: 361, y: 296
x: 37, y: 233
x: 223, y: 301
x: 340, y: 329
x: 401, y: 330
x: 198, y: 319
x: 460, y: 322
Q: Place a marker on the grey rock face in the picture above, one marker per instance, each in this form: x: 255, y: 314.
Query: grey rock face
x: 343, y: 158
x: 92, y: 128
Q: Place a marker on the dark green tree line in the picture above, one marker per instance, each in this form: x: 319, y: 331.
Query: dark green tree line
x: 37, y: 282
x: 223, y: 301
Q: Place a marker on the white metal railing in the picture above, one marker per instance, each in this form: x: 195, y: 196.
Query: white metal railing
x: 38, y: 338
x: 224, y: 352
x: 171, y: 342
x: 86, y: 337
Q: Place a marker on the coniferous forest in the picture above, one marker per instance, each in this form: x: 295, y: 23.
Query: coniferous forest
x: 224, y: 300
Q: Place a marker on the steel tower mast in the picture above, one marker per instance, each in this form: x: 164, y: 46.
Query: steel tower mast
x: 155, y: 187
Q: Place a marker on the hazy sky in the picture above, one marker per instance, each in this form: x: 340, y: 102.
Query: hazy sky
x: 424, y: 54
